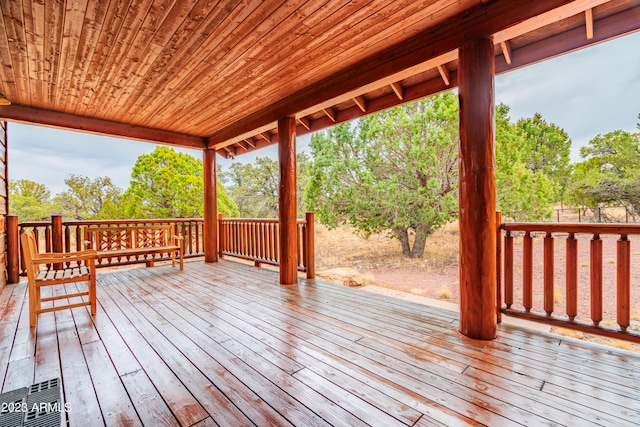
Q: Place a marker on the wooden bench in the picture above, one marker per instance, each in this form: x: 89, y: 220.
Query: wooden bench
x: 128, y: 243
x: 66, y: 267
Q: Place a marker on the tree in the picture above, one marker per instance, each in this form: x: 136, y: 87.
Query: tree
x: 168, y: 184
x: 29, y: 200
x: 546, y: 148
x: 523, y: 189
x: 255, y: 187
x: 609, y: 173
x: 89, y: 199
x: 395, y: 171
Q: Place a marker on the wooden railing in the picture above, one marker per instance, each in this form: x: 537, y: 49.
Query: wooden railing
x: 258, y: 240
x: 66, y: 236
x: 252, y: 239
x: 533, y: 250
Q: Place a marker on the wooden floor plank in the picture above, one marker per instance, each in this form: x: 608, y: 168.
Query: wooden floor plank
x: 208, y: 395
x: 237, y: 328
x: 284, y: 403
x: 224, y: 344
x: 401, y: 329
x: 314, y: 334
x: 77, y: 386
x: 149, y: 405
x: 115, y: 404
x: 183, y: 405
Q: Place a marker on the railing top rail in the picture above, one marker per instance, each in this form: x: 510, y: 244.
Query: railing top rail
x: 131, y: 221
x: 620, y: 229
x: 259, y: 220
x: 34, y: 223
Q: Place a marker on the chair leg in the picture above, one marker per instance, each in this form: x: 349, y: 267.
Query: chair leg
x: 92, y: 294
x: 32, y: 305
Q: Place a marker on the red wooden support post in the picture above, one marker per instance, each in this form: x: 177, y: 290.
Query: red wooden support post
x: 596, y: 279
x: 572, y: 276
x: 527, y: 271
x: 498, y: 267
x: 287, y: 201
x: 13, y: 249
x: 548, y: 274
x: 477, y: 194
x: 623, y: 277
x: 57, y: 242
x: 310, y: 250
x: 210, y: 229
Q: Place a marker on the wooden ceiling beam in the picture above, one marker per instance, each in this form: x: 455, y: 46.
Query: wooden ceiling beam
x: 559, y: 13
x: 480, y: 21
x: 361, y: 103
x: 305, y: 122
x: 506, y: 50
x: 265, y: 137
x: 398, y: 90
x: 412, y: 93
x: 588, y: 17
x: 330, y: 112
x: 617, y: 25
x: 37, y: 116
x: 444, y: 73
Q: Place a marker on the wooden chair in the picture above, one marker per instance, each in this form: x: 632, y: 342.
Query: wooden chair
x: 66, y: 267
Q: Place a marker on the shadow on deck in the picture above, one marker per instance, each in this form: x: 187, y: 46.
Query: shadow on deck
x: 225, y: 344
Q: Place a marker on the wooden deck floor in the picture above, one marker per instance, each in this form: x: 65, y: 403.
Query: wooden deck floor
x: 224, y: 344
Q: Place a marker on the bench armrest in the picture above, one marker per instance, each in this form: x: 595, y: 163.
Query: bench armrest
x: 48, y: 258
x: 177, y: 237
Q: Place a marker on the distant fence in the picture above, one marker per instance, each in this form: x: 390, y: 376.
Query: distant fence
x: 608, y: 214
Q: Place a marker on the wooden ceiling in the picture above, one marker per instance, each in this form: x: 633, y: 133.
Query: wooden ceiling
x: 219, y: 74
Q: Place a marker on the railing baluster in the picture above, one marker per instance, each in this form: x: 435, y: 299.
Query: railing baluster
x: 508, y: 269
x: 548, y: 274
x: 527, y: 272
x: 498, y: 266
x: 596, y: 279
x: 623, y: 277
x: 79, y: 242
x: 572, y: 276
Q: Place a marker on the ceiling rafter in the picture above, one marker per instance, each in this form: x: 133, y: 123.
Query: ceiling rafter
x: 330, y: 112
x: 398, y: 90
x: 588, y: 17
x: 361, y: 103
x: 506, y: 50
x: 305, y: 122
x: 444, y: 73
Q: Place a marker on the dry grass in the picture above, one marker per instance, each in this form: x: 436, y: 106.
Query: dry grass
x: 558, y: 296
x: 345, y: 247
x: 444, y: 293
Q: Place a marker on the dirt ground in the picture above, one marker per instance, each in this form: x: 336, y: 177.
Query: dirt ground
x: 379, y: 259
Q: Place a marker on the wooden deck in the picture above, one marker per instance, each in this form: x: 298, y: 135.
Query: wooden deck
x: 224, y: 344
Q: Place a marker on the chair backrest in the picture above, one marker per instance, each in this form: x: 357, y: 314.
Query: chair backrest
x: 29, y: 252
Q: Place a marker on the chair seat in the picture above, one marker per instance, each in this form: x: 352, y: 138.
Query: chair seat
x: 65, y: 267
x: 62, y: 275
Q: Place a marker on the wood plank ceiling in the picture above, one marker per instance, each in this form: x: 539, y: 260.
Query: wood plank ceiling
x: 218, y: 74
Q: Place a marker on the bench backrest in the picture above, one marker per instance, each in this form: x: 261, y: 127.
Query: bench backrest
x: 115, y: 238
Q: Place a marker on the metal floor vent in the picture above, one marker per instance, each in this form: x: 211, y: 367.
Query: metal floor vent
x: 37, y: 406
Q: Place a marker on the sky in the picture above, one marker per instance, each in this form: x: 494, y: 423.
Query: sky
x: 589, y: 92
